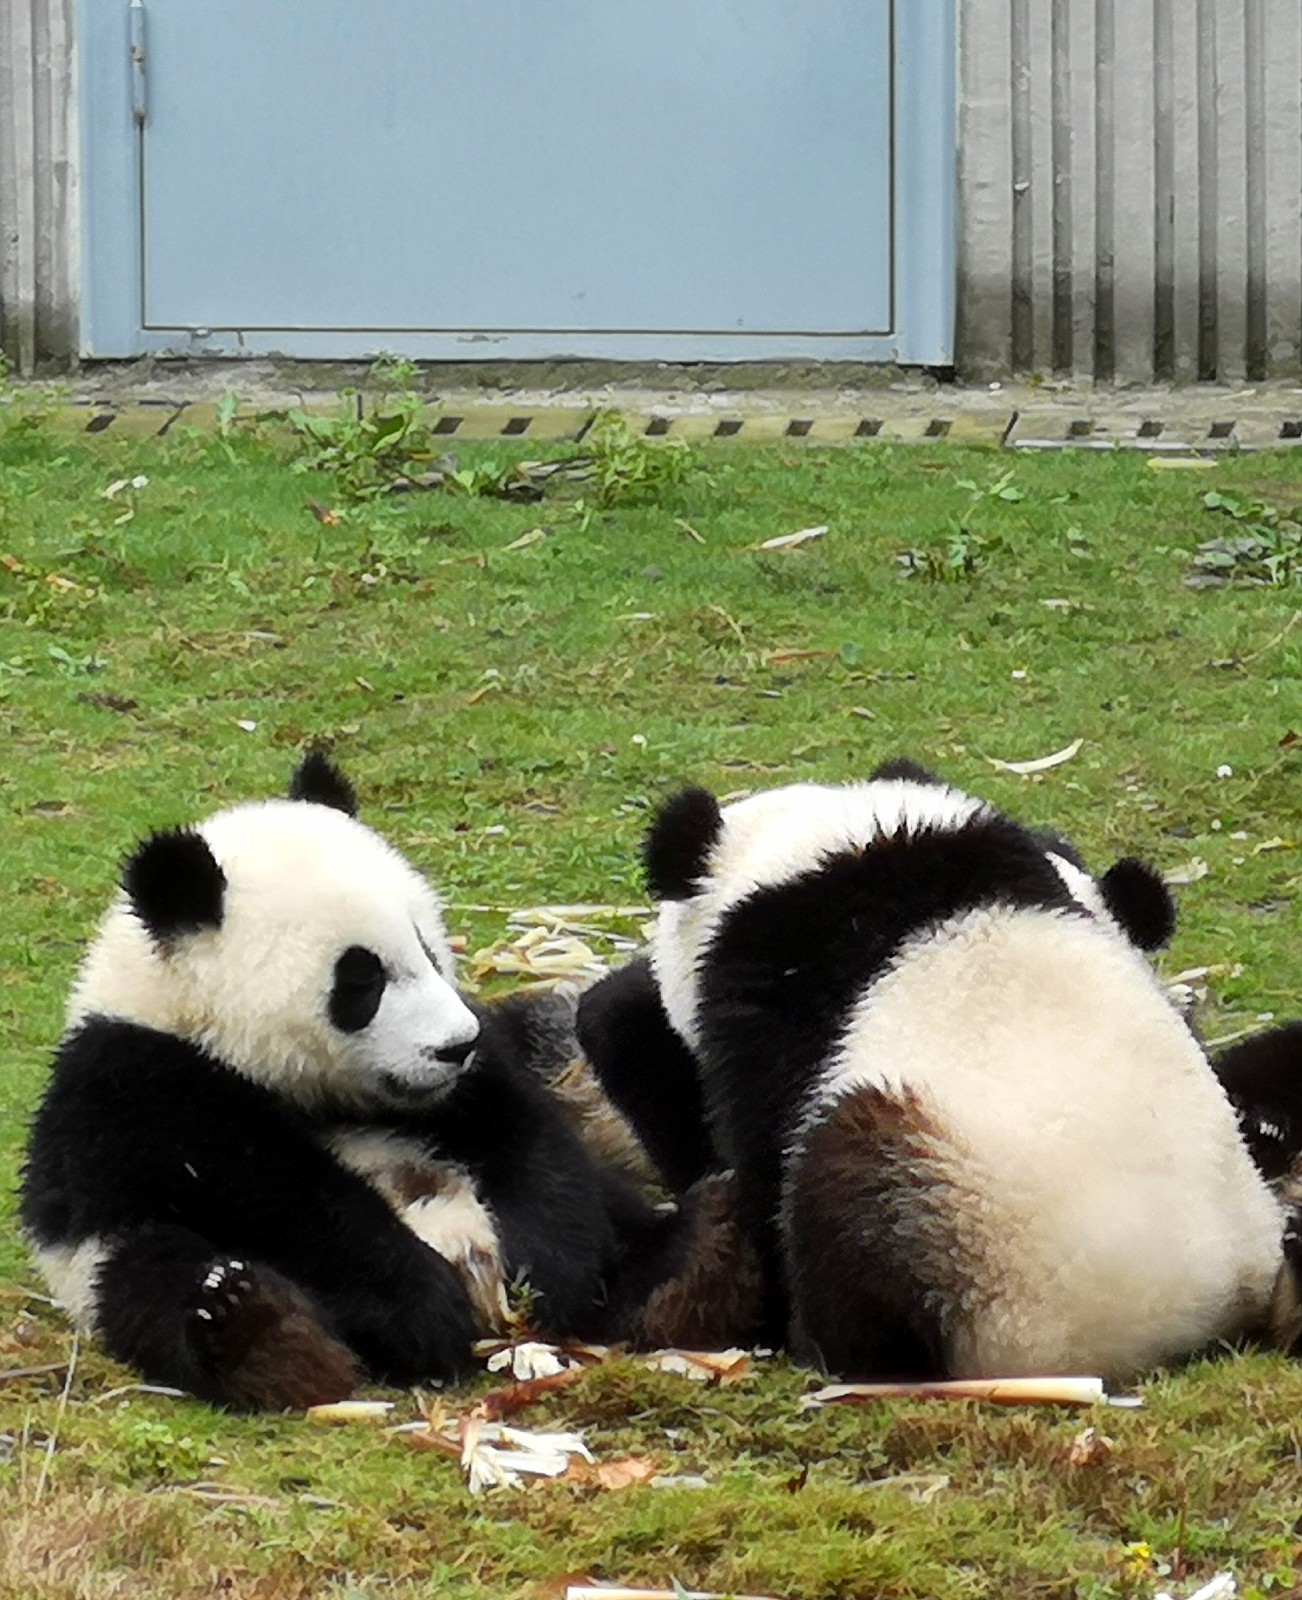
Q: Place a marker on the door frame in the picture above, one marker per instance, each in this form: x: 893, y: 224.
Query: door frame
x: 923, y: 267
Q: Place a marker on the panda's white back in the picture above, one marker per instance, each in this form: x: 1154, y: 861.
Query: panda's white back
x: 1092, y: 1165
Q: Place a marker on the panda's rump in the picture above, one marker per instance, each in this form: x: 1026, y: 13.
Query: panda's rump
x: 1071, y: 1149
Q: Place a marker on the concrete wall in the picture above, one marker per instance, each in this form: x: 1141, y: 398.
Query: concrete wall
x: 1131, y: 187
x: 1130, y: 177
x: 38, y: 182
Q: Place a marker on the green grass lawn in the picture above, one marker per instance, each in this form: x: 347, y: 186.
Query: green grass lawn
x: 510, y: 716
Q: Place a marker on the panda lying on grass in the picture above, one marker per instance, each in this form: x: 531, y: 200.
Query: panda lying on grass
x: 279, y: 1152
x: 972, y: 1135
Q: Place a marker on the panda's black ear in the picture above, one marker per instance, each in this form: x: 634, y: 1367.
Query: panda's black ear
x: 1141, y: 903
x: 316, y: 778
x: 903, y: 768
x: 174, y: 884
x: 677, y: 849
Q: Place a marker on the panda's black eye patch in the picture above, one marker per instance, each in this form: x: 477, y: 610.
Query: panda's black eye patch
x: 358, y: 988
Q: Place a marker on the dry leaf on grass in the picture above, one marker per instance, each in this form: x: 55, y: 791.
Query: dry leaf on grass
x: 702, y: 1366
x: 527, y: 1360
x: 779, y: 658
x: 1189, y: 872
x: 619, y: 1474
x: 1026, y: 769
x: 1090, y: 1448
x: 790, y: 541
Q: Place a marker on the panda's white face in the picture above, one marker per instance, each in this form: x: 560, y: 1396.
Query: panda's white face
x: 326, y: 976
x: 770, y: 838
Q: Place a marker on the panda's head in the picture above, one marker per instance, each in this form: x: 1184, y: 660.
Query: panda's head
x: 292, y: 942
x: 703, y: 860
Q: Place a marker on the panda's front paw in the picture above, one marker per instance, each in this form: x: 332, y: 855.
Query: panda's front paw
x: 225, y: 1289
x: 263, y: 1343
x: 415, y: 1329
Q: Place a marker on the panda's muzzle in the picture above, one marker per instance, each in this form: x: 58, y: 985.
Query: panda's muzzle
x: 450, y: 1055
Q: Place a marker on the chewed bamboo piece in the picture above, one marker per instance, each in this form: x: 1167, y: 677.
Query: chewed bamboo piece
x: 1072, y: 1391
x: 592, y: 1591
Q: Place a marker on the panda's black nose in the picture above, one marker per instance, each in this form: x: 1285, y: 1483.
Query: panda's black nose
x: 453, y: 1055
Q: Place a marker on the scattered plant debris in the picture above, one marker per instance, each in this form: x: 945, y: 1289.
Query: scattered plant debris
x: 791, y: 541
x: 997, y: 1391
x: 1027, y: 769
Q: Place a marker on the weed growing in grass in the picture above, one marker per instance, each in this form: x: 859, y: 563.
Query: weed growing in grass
x: 628, y: 469
x: 1266, y: 550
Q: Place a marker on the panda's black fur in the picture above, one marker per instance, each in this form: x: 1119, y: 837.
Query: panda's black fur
x: 245, y: 1224
x: 939, y: 1185
x: 648, y: 1072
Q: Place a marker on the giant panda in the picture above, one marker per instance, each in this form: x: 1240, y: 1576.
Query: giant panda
x: 280, y: 1152
x: 972, y: 1135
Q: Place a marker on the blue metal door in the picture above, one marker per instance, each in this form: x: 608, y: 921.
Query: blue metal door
x: 693, y: 179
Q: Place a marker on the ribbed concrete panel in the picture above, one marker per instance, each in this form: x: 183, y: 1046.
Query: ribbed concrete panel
x: 38, y: 228
x: 1131, y: 194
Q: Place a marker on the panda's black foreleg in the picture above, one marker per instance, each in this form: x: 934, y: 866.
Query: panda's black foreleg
x: 408, y: 1317
x: 227, y: 1329
x: 648, y: 1072
x: 1262, y: 1076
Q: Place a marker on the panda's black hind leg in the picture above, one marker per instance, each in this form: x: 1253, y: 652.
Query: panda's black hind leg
x: 870, y: 1258
x: 229, y: 1330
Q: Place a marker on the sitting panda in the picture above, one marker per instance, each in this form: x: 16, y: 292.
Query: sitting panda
x: 972, y: 1136
x: 279, y: 1151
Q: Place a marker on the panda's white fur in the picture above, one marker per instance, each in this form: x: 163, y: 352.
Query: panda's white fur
x: 1060, y: 1170
x: 303, y: 881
